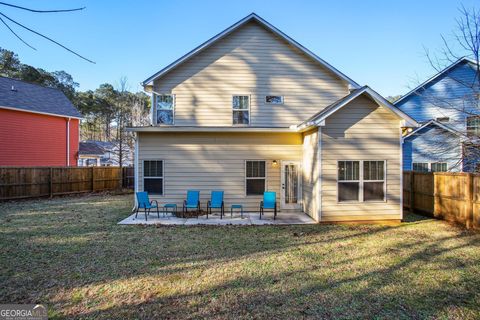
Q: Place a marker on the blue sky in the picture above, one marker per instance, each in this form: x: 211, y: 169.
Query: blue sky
x: 379, y: 43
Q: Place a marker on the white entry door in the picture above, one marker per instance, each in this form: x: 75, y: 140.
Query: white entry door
x: 291, y: 194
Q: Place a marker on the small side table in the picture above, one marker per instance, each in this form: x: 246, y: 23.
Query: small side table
x: 169, y: 206
x: 236, y: 206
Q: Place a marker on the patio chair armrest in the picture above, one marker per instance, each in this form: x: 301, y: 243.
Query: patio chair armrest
x: 261, y: 203
x: 208, y: 204
x: 154, y: 201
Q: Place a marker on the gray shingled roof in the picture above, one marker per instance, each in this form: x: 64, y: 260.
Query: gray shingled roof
x: 90, y: 148
x: 35, y: 98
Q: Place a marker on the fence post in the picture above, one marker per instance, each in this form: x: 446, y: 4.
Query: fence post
x: 469, y: 201
x: 412, y: 193
x: 50, y: 183
x: 93, y: 179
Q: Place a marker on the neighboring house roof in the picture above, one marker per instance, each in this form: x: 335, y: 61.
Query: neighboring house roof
x: 433, y: 123
x: 319, y: 118
x: 24, y: 96
x: 435, y: 77
x: 90, y: 148
x: 268, y: 26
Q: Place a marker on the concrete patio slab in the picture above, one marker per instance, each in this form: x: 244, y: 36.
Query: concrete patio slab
x: 249, y: 218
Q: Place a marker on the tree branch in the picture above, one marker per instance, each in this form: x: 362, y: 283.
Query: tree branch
x: 45, y: 37
x: 40, y: 11
x: 16, y: 35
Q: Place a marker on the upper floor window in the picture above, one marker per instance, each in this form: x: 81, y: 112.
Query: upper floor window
x: 443, y: 119
x: 274, y: 99
x: 164, y: 108
x: 473, y: 126
x: 241, y: 109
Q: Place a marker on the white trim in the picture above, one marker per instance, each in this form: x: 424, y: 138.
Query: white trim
x: 250, y: 17
x: 248, y: 110
x: 40, y: 112
x: 401, y: 173
x: 152, y: 111
x: 236, y: 128
x: 255, y: 178
x: 299, y: 203
x: 426, y: 82
x: 319, y: 180
x: 135, y: 156
x: 426, y: 124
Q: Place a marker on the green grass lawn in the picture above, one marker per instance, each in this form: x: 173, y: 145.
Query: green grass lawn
x: 70, y: 254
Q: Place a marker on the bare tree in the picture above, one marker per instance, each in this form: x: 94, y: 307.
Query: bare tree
x: 461, y: 99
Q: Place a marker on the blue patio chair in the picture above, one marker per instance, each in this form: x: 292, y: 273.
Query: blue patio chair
x: 216, y: 202
x: 192, y: 202
x: 143, y: 202
x: 269, y: 202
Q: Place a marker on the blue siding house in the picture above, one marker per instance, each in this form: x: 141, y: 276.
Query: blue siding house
x: 447, y: 106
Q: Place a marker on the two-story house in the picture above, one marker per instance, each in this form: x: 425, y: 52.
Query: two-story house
x: 252, y: 110
x: 447, y: 106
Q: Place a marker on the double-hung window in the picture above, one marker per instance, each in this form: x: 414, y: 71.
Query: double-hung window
x: 153, y: 176
x: 241, y: 110
x: 164, y: 108
x: 348, y: 181
x: 373, y: 180
x: 255, y: 177
x: 361, y: 180
x: 473, y: 126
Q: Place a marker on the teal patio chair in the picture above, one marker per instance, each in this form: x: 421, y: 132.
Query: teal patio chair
x: 216, y: 202
x: 269, y: 202
x: 143, y: 202
x: 192, y: 202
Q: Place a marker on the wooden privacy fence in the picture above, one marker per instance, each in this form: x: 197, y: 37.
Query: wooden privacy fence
x: 450, y: 196
x: 28, y: 182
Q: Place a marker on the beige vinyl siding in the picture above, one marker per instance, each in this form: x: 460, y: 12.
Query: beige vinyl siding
x: 361, y: 131
x: 250, y: 61
x: 310, y: 177
x: 212, y: 161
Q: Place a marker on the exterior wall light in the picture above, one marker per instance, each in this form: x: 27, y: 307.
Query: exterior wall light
x: 274, y: 163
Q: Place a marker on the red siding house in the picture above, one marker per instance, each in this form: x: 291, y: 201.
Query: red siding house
x: 39, y: 126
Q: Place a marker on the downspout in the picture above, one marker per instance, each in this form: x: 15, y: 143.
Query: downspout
x: 319, y: 179
x: 68, y: 142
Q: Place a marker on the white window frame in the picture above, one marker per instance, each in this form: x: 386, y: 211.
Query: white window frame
x: 477, y: 128
x: 155, y: 95
x: 151, y: 177
x: 417, y: 162
x: 255, y: 178
x: 274, y: 95
x: 361, y: 182
x: 440, y: 163
x: 248, y: 109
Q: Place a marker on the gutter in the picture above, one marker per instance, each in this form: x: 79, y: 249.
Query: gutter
x: 68, y: 142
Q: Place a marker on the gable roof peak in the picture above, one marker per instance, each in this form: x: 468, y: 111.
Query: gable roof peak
x: 235, y: 26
